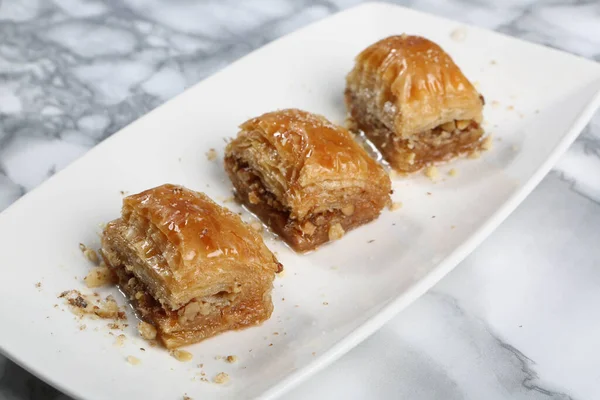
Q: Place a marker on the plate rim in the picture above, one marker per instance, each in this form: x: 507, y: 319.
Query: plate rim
x: 393, y: 307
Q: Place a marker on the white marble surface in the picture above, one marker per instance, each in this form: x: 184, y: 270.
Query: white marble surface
x: 518, y: 319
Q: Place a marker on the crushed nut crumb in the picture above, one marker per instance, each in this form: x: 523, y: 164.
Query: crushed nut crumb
x: 99, y: 276
x: 394, y: 206
x: 146, y: 330
x: 495, y: 104
x: 253, y: 198
x: 90, y: 254
x: 92, y: 305
x: 133, y: 360
x: 453, y: 172
x: 231, y: 359
x: 38, y: 285
x: 82, y: 327
x: 474, y: 155
x: 431, y: 172
x: 120, y: 340
x: 325, y: 303
x: 487, y: 143
x: 211, y: 155
x: 221, y: 378
x: 181, y: 355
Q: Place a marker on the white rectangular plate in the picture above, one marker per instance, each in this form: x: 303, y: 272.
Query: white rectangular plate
x: 538, y: 100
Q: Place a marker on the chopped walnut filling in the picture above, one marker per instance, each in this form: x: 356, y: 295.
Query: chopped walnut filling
x: 308, y: 228
x: 146, y: 330
x: 348, y: 210
x: 336, y: 231
x: 253, y: 198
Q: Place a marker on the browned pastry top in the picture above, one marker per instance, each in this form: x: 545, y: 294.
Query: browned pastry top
x: 416, y: 83
x: 307, y: 162
x: 191, y: 244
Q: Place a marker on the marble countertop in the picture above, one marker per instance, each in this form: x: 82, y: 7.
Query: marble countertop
x: 517, y: 319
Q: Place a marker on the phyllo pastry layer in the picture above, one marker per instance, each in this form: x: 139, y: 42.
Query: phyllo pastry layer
x: 413, y: 102
x: 190, y: 267
x: 304, y: 177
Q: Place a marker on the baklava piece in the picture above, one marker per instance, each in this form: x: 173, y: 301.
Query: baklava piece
x: 190, y: 267
x: 305, y: 178
x: 414, y: 103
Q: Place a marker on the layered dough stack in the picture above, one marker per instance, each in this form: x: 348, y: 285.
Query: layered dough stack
x: 193, y: 269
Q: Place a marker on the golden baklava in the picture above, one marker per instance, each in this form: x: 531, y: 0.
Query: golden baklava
x: 413, y: 103
x: 190, y: 267
x: 304, y: 177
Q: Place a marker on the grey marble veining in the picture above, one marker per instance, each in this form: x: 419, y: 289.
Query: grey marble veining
x: 59, y: 96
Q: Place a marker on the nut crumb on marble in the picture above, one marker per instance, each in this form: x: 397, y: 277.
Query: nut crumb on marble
x: 495, y: 103
x: 453, y: 172
x: 38, y: 285
x: 231, y: 359
x: 325, y: 303
x: 431, y: 172
x: 133, y: 360
x: 211, y: 155
x: 186, y: 397
x: 181, y: 355
x: 221, y: 378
